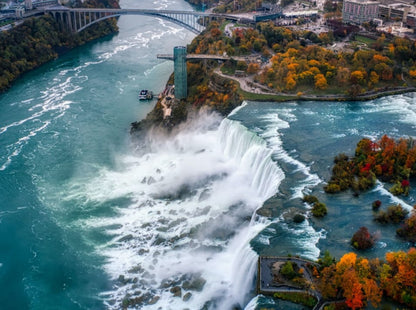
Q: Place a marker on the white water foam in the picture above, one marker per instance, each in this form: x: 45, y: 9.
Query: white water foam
x: 192, y: 197
x: 252, y: 304
x: 394, y: 199
x: 53, y: 104
x: 233, y: 112
x: 306, y: 239
x: 17, y: 147
x: 272, y: 136
x: 403, y: 105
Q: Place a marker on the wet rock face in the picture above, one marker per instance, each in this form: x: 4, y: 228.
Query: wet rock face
x: 154, y: 300
x: 126, y: 238
x: 187, y: 296
x: 176, y: 291
x: 196, y: 283
x: 134, y: 301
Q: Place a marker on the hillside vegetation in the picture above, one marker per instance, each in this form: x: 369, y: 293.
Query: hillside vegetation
x: 299, y: 61
x: 39, y: 40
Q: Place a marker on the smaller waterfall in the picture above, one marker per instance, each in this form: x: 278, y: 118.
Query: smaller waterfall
x: 252, y: 153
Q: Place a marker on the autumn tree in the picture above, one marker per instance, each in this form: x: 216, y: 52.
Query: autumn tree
x: 352, y: 278
x: 320, y: 81
x: 407, y: 230
x: 362, y: 239
x: 398, y: 277
x: 253, y: 68
x: 357, y: 77
x: 374, y: 77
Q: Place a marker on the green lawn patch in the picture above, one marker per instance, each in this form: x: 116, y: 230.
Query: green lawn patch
x: 364, y: 40
x: 296, y: 297
x: 264, y: 97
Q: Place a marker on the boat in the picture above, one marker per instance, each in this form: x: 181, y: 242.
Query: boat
x: 145, y: 94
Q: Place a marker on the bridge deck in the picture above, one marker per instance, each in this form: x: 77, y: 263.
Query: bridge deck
x: 149, y: 11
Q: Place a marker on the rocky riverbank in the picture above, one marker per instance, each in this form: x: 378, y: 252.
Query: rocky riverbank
x: 39, y: 40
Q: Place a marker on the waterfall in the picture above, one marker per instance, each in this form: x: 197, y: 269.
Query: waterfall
x: 252, y: 153
x: 187, y: 220
x: 253, y: 156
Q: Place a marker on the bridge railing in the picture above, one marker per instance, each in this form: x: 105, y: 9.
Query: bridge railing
x: 77, y: 19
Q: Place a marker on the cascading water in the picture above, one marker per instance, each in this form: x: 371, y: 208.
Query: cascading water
x: 252, y: 153
x: 181, y: 240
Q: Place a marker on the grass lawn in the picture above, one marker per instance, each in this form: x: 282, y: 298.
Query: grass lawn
x: 364, y: 40
x: 264, y: 97
x: 299, y: 298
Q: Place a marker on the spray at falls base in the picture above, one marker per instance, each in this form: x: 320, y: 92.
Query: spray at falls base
x: 182, y: 239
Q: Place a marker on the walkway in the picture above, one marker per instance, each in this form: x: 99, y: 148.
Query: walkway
x: 248, y: 85
x: 167, y: 100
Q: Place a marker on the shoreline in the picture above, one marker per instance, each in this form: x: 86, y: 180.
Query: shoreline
x: 282, y: 97
x: 52, y: 49
x: 159, y: 118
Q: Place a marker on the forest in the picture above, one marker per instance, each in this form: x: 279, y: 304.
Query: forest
x: 359, y: 281
x: 300, y: 62
x: 39, y: 40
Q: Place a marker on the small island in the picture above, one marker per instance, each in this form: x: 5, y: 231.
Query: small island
x: 387, y: 160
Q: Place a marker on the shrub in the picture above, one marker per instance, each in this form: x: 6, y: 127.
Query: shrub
x: 367, y: 182
x: 298, y: 218
x: 341, y: 158
x: 332, y: 188
x: 319, y: 209
x: 296, y: 297
x: 327, y: 260
x: 408, y: 230
x: 362, y: 239
x: 287, y: 271
x: 397, y: 189
x: 310, y: 199
x: 394, y: 214
x: 376, y: 205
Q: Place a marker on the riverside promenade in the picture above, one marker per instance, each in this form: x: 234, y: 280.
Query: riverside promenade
x: 248, y: 85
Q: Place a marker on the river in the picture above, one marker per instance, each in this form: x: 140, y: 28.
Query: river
x: 91, y: 219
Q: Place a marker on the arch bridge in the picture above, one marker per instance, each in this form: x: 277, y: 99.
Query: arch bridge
x: 77, y: 19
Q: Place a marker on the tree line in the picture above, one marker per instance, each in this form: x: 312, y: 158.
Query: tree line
x: 41, y: 39
x: 360, y: 281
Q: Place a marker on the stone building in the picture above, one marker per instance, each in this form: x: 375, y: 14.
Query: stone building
x: 359, y: 11
x: 395, y: 12
x: 28, y: 5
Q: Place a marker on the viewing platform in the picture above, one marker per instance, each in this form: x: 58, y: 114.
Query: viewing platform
x: 271, y: 278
